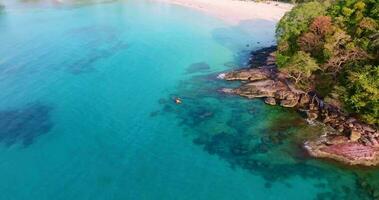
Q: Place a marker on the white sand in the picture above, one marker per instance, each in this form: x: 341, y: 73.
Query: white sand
x: 235, y: 11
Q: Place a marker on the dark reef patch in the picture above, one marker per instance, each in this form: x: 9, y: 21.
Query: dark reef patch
x: 25, y: 124
x: 101, y: 42
x: 197, y: 67
x: 86, y: 63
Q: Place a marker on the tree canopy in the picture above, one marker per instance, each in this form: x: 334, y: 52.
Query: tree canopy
x: 332, y: 48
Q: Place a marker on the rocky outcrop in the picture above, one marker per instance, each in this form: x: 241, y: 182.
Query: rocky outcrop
x: 346, y: 151
x: 355, y: 142
x: 249, y: 74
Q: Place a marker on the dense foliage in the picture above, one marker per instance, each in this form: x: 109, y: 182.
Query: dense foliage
x: 290, y: 1
x: 332, y: 48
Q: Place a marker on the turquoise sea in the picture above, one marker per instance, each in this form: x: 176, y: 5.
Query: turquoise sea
x: 87, y: 110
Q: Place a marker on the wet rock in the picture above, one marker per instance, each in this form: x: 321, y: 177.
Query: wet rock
x: 270, y: 101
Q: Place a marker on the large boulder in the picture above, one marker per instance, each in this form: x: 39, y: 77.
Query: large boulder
x: 248, y: 74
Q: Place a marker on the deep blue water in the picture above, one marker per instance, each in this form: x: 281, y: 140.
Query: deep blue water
x: 87, y: 111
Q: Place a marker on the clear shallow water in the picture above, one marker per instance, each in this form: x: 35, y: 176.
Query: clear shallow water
x: 86, y: 110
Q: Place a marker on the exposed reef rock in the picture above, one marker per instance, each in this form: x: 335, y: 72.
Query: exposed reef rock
x: 353, y: 142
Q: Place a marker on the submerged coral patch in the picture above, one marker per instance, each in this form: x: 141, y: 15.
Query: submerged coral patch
x: 103, y: 43
x: 25, y: 124
x: 86, y: 64
x: 197, y: 67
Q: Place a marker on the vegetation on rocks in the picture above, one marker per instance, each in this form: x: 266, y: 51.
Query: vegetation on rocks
x: 332, y: 48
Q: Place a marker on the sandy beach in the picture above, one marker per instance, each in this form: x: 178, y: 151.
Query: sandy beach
x: 235, y: 11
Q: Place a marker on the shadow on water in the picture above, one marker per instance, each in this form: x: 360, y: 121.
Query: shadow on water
x: 23, y: 125
x: 264, y: 140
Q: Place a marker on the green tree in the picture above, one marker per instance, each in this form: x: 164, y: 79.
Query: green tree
x: 363, y: 93
x: 333, y: 49
x: 300, y: 68
x: 296, y: 22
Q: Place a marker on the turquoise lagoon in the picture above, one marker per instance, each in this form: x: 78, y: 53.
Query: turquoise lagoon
x: 87, y: 111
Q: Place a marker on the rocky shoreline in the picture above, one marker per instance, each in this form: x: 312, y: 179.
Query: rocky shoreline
x: 352, y: 142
